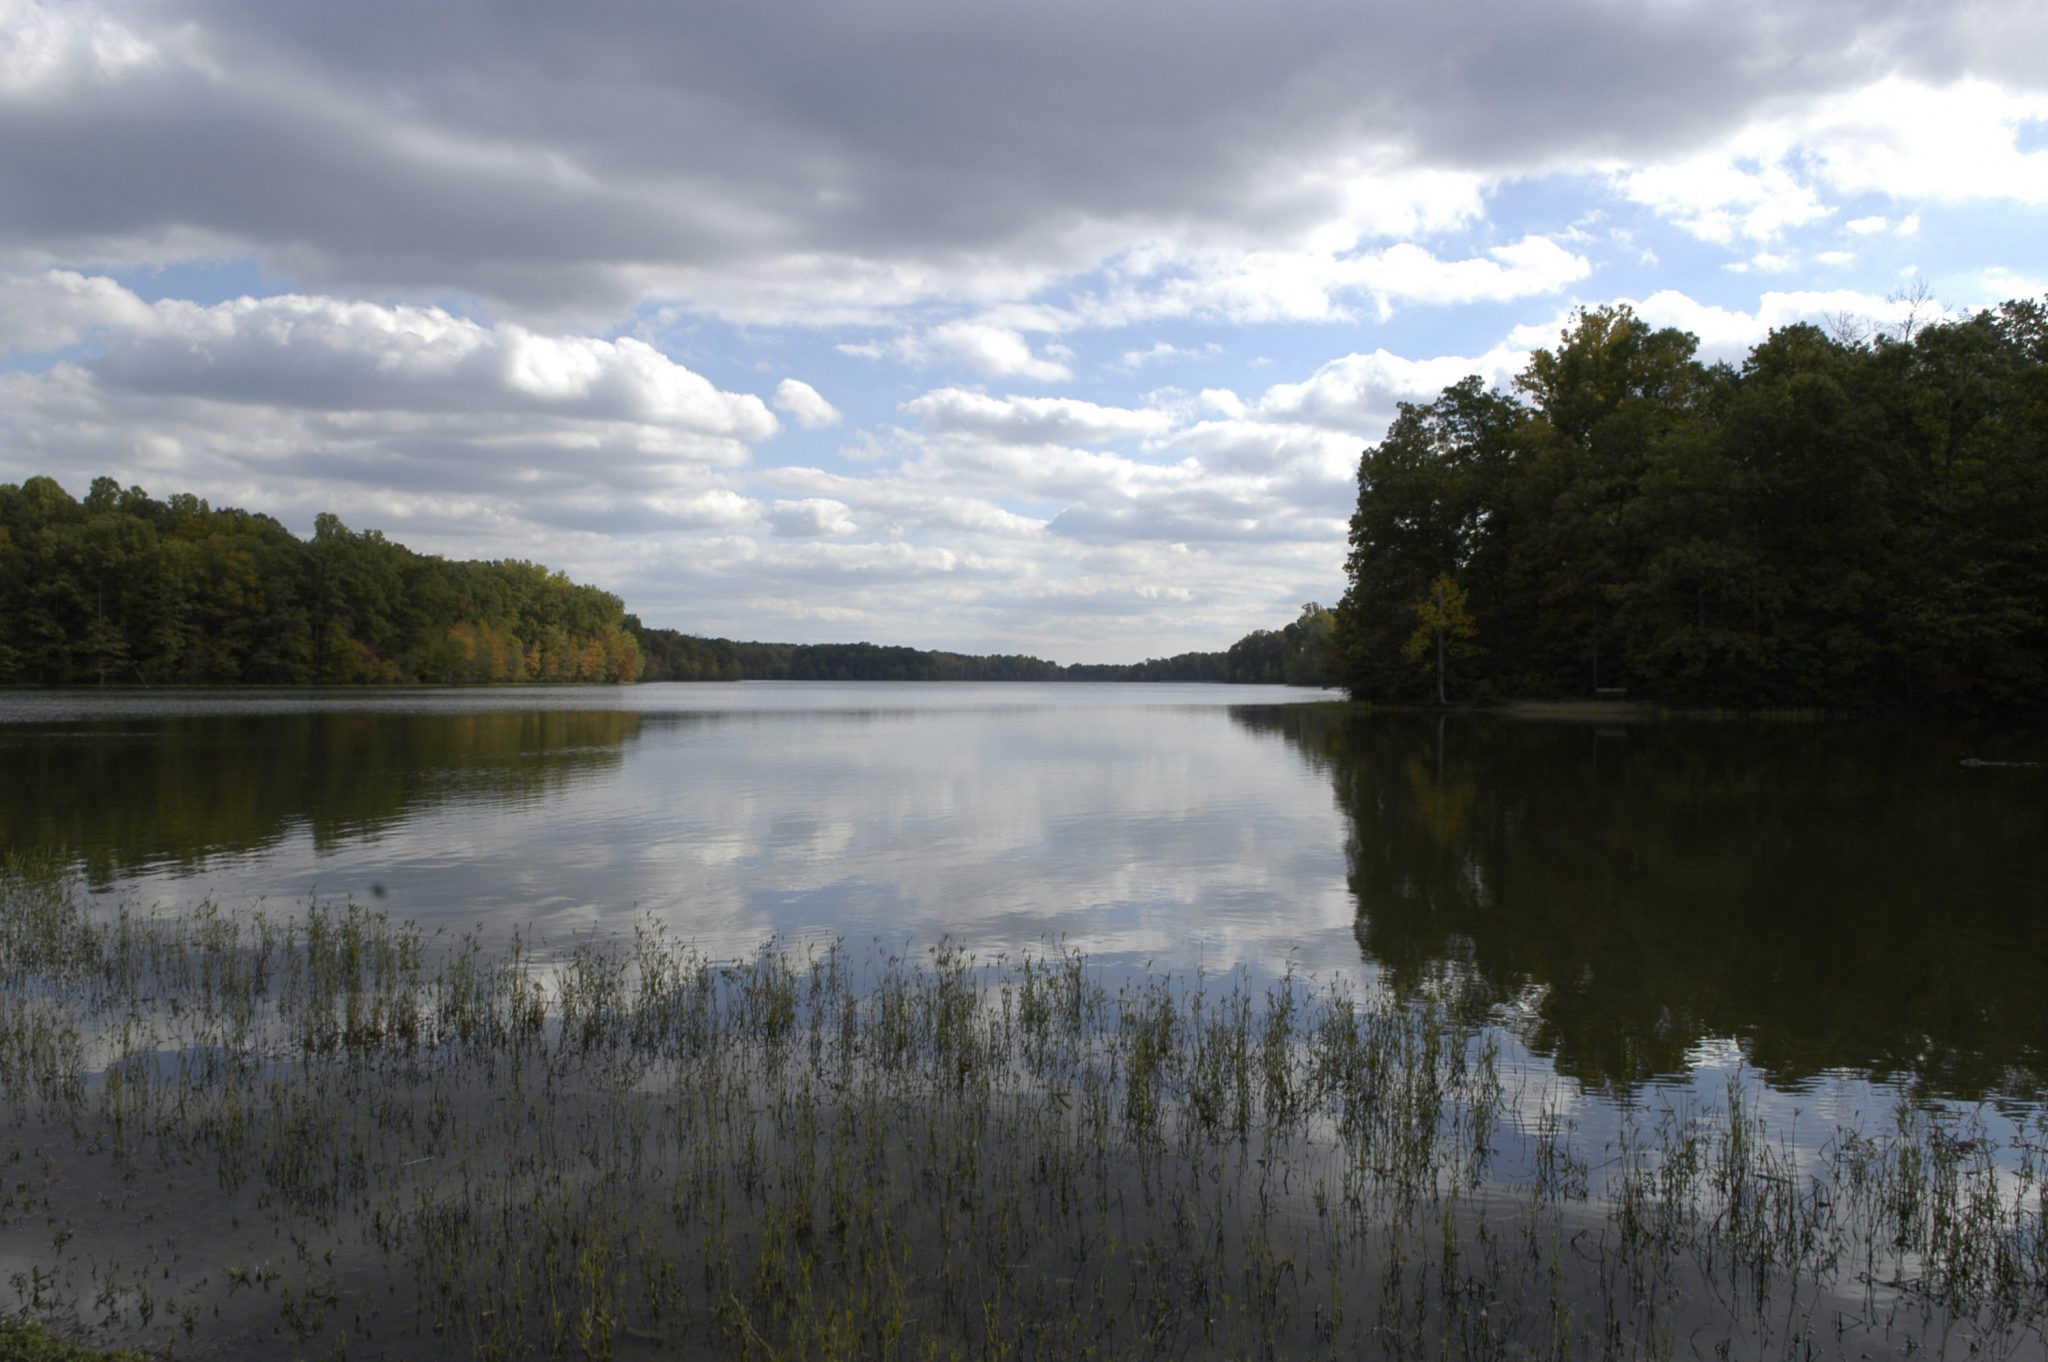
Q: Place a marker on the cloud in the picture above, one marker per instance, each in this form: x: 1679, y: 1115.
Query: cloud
x: 810, y: 517
x: 1718, y: 198
x: 804, y: 406
x: 1031, y: 420
x: 983, y: 525
x: 903, y: 501
x: 1266, y: 286
x: 1036, y: 200
x: 1160, y: 352
x: 289, y: 402
x: 1897, y: 135
x: 2000, y: 284
x: 52, y: 309
x: 985, y: 347
x: 592, y: 162
x: 718, y: 508
x: 995, y: 351
x: 319, y: 353
x: 1359, y: 393
x: 1911, y: 140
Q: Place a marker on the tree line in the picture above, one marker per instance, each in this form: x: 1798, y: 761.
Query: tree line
x: 1838, y: 523
x: 125, y: 589
x: 1297, y: 654
x: 674, y: 656
x: 122, y: 588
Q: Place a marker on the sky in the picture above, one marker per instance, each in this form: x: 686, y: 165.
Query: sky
x: 1042, y: 327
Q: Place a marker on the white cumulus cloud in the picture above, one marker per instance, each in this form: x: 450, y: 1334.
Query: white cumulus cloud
x: 803, y: 404
x: 810, y: 517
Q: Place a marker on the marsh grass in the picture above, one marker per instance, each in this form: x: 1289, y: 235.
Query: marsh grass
x: 327, y: 1134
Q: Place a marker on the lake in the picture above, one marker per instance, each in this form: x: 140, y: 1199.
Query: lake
x: 1119, y: 1020
x: 1636, y: 901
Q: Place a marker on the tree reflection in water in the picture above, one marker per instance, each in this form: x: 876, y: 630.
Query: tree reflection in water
x: 124, y: 795
x: 1833, y: 897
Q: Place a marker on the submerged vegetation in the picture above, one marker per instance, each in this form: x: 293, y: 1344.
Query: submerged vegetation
x: 326, y: 1133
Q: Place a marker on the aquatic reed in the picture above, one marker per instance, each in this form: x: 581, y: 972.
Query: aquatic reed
x: 326, y: 1133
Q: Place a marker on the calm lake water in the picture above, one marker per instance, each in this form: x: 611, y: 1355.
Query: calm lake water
x: 1658, y: 903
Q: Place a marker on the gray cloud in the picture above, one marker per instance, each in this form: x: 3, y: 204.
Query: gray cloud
x: 565, y: 159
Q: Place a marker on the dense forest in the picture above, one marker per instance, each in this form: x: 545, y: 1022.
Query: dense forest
x: 1840, y: 523
x: 1296, y: 655
x: 673, y: 656
x: 123, y: 589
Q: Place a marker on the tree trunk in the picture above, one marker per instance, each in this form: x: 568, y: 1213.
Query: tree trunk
x: 1441, y: 697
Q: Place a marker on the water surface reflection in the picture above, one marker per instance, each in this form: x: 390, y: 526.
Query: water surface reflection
x: 1628, y: 899
x: 1135, y: 823
x: 1833, y: 897
x: 128, y: 796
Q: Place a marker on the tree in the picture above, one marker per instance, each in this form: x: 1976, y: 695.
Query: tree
x: 1428, y: 504
x: 1444, y: 627
x: 1308, y: 646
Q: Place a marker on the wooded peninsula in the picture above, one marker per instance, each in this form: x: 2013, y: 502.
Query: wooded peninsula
x: 1843, y: 522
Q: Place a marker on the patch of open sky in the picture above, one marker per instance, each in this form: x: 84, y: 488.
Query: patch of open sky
x: 2032, y: 135
x: 205, y: 282
x: 1292, y: 352
x: 43, y: 361
x: 1981, y: 253
x: 1552, y: 205
x: 868, y: 392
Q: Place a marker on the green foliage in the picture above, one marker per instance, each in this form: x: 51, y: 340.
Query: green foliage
x: 1443, y: 629
x: 1833, y: 525
x: 1297, y: 655
x: 122, y: 589
x: 24, y: 1341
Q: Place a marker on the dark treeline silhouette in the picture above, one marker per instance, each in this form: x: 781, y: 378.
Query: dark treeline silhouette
x: 673, y: 656
x: 124, y: 589
x: 1837, y: 524
x: 1179, y: 667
